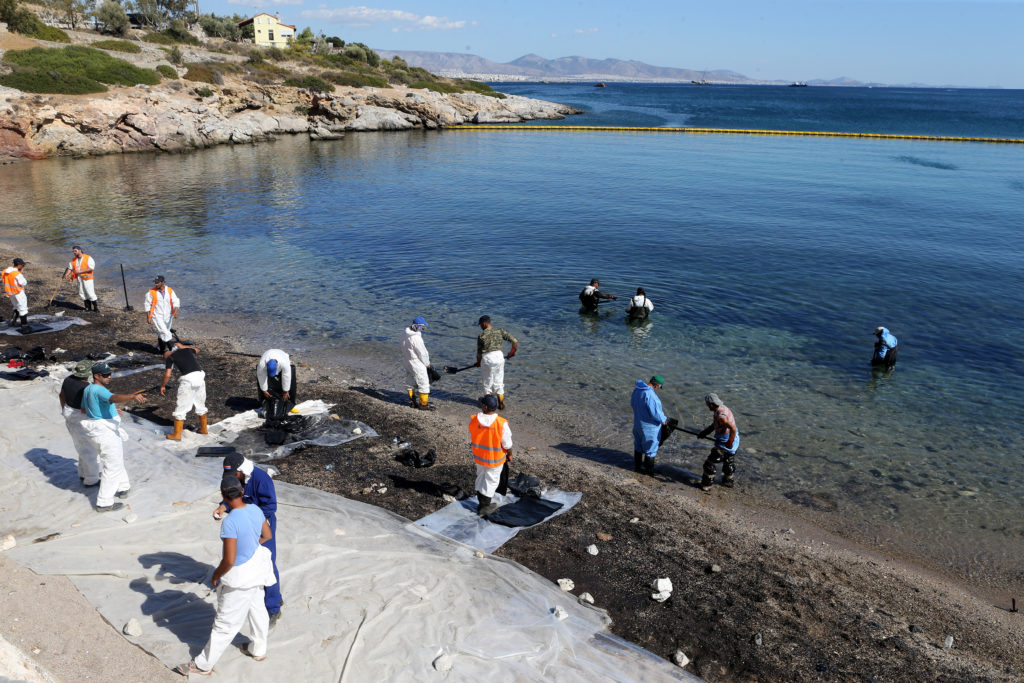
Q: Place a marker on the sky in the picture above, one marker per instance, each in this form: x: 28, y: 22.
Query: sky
x: 974, y: 43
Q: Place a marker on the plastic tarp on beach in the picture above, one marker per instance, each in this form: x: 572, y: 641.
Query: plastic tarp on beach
x: 367, y: 594
x: 56, y: 323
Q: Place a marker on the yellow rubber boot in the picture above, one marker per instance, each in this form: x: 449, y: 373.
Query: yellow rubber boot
x: 425, y: 402
x: 202, y: 425
x: 501, y: 401
x: 412, y: 398
x: 178, y: 426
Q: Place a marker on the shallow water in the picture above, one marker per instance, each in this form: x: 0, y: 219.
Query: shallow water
x: 769, y: 260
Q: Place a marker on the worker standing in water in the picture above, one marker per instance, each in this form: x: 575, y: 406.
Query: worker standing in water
x: 491, y: 359
x: 591, y: 296
x: 417, y: 361
x: 639, y: 306
x: 886, y: 348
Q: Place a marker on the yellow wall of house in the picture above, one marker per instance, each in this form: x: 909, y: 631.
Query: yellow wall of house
x: 265, y: 25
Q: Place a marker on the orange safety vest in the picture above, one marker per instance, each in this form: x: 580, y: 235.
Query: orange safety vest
x: 76, y: 264
x: 153, y: 295
x: 487, y: 450
x: 11, y: 286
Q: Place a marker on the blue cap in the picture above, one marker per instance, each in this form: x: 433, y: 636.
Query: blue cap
x: 272, y: 368
x: 491, y: 401
x: 420, y: 321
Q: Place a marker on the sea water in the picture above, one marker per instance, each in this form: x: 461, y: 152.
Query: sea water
x: 770, y: 261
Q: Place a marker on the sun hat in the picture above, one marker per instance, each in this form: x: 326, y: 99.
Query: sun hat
x: 712, y: 399
x: 83, y: 370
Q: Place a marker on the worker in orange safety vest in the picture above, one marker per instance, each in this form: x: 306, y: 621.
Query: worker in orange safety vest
x: 82, y: 268
x: 14, y: 288
x: 161, y: 305
x: 491, y: 439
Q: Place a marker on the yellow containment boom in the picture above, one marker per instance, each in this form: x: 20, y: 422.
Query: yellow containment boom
x: 746, y: 131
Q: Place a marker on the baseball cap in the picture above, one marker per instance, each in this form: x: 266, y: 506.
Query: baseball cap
x: 158, y: 279
x: 100, y: 368
x: 236, y: 462
x: 712, y: 399
x: 229, y: 483
x: 483, y: 319
x: 83, y: 370
x: 490, y: 400
x: 272, y: 367
x: 659, y: 380
x: 18, y: 262
x: 420, y: 320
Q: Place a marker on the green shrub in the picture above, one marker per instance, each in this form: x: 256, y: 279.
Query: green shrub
x: 310, y: 83
x: 117, y: 46
x: 204, y: 92
x: 355, y: 80
x: 276, y: 53
x: 256, y: 57
x: 112, y: 17
x: 168, y: 38
x: 478, y: 87
x: 203, y: 73
x: 300, y: 109
x: 72, y: 70
x: 166, y: 70
x: 50, y: 33
x: 175, y: 56
x: 436, y: 86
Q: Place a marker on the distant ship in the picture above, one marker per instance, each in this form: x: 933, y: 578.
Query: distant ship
x: 600, y: 85
x: 798, y: 84
x: 702, y: 81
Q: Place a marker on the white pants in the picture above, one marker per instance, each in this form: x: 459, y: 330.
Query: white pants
x: 420, y: 380
x: 163, y: 326
x: 487, y: 479
x: 86, y: 290
x: 191, y: 394
x: 493, y: 370
x: 235, y: 607
x: 19, y: 302
x: 88, y: 459
x: 106, y: 437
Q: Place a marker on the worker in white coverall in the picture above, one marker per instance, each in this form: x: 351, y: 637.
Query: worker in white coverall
x: 14, y: 288
x: 83, y: 268
x: 639, y: 306
x: 161, y: 306
x: 275, y: 379
x: 491, y: 439
x: 417, y: 360
x: 491, y: 360
x: 71, y: 392
x: 103, y: 425
x: 191, y: 387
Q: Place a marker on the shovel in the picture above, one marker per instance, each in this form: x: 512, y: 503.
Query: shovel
x: 127, y: 306
x: 57, y: 288
x: 452, y: 370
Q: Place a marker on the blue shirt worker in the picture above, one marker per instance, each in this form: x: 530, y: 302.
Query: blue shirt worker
x: 886, y: 348
x: 259, y: 491
x: 102, y: 424
x: 648, y: 417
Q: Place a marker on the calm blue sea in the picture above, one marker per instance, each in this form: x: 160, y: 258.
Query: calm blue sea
x: 770, y: 260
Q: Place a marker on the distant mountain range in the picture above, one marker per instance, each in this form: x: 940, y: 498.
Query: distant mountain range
x: 533, y: 67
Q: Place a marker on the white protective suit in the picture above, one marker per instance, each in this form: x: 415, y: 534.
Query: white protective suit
x: 492, y: 365
x: 86, y: 288
x: 191, y: 394
x: 414, y: 352
x: 284, y: 368
x: 108, y: 437
x: 488, y: 478
x: 19, y: 301
x: 640, y: 301
x: 88, y: 458
x: 166, y: 302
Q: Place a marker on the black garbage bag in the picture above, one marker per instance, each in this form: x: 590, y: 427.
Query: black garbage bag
x: 525, y: 485
x: 11, y: 353
x: 667, y: 429
x: 34, y: 328
x: 432, y: 374
x: 524, y: 512
x: 36, y: 353
x: 410, y: 457
x: 23, y: 374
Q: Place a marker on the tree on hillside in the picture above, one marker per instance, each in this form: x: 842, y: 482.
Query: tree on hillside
x: 112, y: 18
x: 71, y: 12
x: 220, y: 27
x: 149, y: 12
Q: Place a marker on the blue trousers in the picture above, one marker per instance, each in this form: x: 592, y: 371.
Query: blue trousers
x: 645, y: 439
x: 272, y: 599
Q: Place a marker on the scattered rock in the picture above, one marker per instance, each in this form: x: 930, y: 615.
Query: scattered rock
x: 680, y: 658
x: 662, y: 585
x: 758, y: 640
x: 560, y: 613
x: 479, y: 553
x: 382, y: 489
x: 367, y: 491
x: 634, y: 520
x: 133, y: 628
x: 443, y: 663
x: 592, y: 549
x: 359, y: 430
x: 130, y: 518
x: 448, y: 498
x: 8, y: 542
x: 914, y: 628
x: 586, y: 598
x: 948, y: 645
x: 602, y: 536
x: 566, y: 584
x: 789, y: 531
x: 714, y: 569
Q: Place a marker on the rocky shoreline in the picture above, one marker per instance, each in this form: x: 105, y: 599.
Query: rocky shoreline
x: 176, y: 116
x: 757, y: 596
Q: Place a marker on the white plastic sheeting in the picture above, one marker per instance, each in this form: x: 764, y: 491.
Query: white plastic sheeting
x: 368, y: 595
x: 56, y: 323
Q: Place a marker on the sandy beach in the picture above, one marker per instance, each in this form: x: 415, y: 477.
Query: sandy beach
x: 758, y: 595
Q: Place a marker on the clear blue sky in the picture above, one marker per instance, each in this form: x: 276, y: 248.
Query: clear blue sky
x: 938, y: 42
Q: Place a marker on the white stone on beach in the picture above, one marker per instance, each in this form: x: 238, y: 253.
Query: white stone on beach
x: 130, y: 518
x: 560, y: 613
x: 586, y: 598
x: 758, y: 640
x: 662, y: 585
x: 443, y: 663
x: 680, y: 658
x: 661, y: 596
x: 357, y: 430
x: 949, y: 642
x: 133, y: 628
x: 566, y: 584
x: 448, y: 498
x: 592, y: 549
x: 8, y: 543
x: 715, y: 569
x: 634, y: 520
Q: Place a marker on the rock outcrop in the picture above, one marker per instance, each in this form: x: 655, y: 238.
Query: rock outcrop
x: 174, y: 117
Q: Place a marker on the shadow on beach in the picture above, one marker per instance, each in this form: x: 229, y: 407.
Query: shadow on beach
x: 186, y: 615
x: 60, y: 471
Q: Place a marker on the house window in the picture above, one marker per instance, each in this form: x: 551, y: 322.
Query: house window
x: 271, y: 32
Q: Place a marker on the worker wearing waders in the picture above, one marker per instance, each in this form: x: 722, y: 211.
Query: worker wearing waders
x: 648, y: 417
x: 490, y: 358
x: 82, y: 268
x: 417, y: 360
x: 161, y: 306
x: 886, y: 348
x: 639, y: 306
x: 259, y: 491
x: 71, y: 392
x: 191, y: 387
x: 103, y: 425
x: 14, y: 288
x: 590, y: 297
x: 275, y: 383
x: 727, y: 442
x: 492, y: 451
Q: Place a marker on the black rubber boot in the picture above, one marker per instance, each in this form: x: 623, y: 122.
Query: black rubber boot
x: 24, y: 319
x: 638, y: 461
x: 649, y: 466
x: 483, y: 502
x: 96, y: 306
